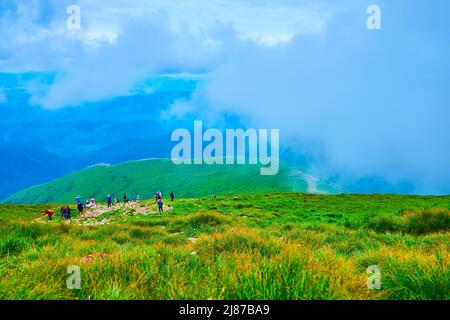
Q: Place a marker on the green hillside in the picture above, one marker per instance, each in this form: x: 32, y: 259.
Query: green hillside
x: 254, y: 247
x: 145, y: 177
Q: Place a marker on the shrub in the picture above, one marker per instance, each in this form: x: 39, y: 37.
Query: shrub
x: 417, y: 222
x: 197, y: 224
x: 385, y: 224
x: 239, y: 241
x: 206, y: 219
x: 427, y: 221
x: 13, y: 245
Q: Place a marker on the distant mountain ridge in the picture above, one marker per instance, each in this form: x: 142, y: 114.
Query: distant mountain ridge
x: 145, y: 177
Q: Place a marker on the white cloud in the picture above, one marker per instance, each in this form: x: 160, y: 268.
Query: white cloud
x: 354, y: 102
x: 265, y: 22
x: 121, y: 41
x: 178, y: 110
x: 144, y: 47
x: 28, y: 44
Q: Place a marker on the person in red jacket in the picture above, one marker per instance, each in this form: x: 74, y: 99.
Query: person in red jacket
x: 49, y: 213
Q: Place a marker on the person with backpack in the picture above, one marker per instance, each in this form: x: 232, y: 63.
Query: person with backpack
x: 49, y: 213
x: 67, y: 216
x: 160, y: 206
x: 125, y: 198
x: 78, y: 199
x: 109, y: 200
x: 172, y: 196
x: 62, y: 212
x: 80, y: 208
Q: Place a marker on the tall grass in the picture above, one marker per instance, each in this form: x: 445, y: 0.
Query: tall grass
x: 233, y: 252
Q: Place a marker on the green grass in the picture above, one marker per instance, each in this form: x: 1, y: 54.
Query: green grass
x: 146, y: 177
x: 273, y: 246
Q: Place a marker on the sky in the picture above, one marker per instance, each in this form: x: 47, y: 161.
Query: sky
x: 359, y: 102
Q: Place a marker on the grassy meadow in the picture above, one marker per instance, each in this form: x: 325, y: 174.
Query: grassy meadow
x: 274, y: 246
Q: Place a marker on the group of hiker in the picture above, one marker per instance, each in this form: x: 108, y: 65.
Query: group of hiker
x: 109, y: 200
x: 91, y: 204
x: 64, y: 213
x: 158, y: 198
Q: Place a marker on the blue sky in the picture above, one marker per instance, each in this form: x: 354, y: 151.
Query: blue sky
x: 360, y: 102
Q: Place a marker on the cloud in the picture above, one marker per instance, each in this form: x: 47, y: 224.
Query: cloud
x: 265, y: 22
x: 178, y: 110
x: 362, y: 103
x: 145, y: 47
x: 122, y: 42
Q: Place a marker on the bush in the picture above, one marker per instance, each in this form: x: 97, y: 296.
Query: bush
x: 417, y: 222
x: 427, y: 221
x: 206, y: 219
x: 13, y: 245
x: 239, y: 241
x: 385, y: 224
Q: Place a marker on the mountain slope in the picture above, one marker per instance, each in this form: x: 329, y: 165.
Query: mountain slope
x: 23, y: 165
x: 128, y: 150
x: 145, y: 177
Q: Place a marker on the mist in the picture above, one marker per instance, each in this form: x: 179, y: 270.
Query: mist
x: 361, y: 103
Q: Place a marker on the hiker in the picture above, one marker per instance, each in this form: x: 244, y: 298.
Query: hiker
x: 160, y: 206
x: 138, y: 198
x: 125, y: 198
x: 78, y: 199
x: 91, y: 204
x: 67, y: 216
x: 80, y: 208
x: 49, y: 213
x: 109, y: 200
x: 62, y: 212
x: 172, y: 196
x: 116, y: 201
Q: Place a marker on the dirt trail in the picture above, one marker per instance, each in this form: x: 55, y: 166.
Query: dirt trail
x: 310, y: 180
x: 90, y: 216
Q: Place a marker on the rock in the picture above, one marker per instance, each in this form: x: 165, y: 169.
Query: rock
x: 91, y: 257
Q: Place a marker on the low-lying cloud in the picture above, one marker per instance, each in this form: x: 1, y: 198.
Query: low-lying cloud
x: 364, y: 103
